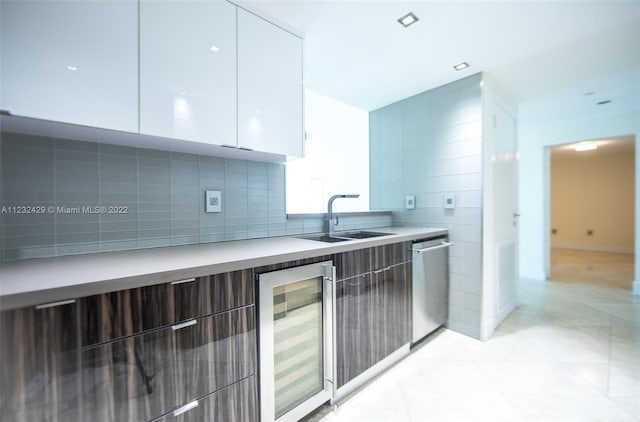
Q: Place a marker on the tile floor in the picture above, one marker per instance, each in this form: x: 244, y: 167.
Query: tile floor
x: 601, y: 268
x: 569, y: 352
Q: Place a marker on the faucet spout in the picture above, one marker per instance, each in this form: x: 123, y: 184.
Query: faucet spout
x: 330, y: 208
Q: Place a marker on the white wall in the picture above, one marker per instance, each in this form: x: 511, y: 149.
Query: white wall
x: 593, y: 191
x: 336, y: 158
x: 534, y: 139
x: 430, y: 145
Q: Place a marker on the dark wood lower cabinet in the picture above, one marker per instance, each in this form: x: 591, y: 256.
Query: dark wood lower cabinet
x: 142, y: 377
x: 395, y: 307
x: 40, y: 377
x: 116, y: 357
x: 235, y: 403
x: 373, y: 317
x: 355, y: 327
x: 108, y: 316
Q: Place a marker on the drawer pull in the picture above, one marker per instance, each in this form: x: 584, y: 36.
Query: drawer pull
x: 184, y: 324
x: 52, y: 304
x: 186, y: 280
x: 179, y: 411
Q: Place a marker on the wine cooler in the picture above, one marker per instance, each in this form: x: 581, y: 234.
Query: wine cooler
x: 296, y: 340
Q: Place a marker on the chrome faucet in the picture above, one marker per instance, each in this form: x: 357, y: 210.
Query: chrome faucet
x: 330, y: 210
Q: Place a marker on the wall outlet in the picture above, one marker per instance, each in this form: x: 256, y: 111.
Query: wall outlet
x: 213, y: 201
x: 410, y: 202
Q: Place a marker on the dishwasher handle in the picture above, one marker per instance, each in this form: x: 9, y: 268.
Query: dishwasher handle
x: 433, y: 248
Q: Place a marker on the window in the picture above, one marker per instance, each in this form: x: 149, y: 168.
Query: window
x: 336, y: 158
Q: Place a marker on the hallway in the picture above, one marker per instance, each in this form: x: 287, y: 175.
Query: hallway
x: 570, y: 352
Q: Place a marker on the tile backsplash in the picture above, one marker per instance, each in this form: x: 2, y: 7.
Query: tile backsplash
x: 150, y: 198
x: 430, y: 146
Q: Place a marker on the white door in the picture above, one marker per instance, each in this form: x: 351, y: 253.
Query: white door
x: 71, y: 61
x: 188, y: 70
x: 269, y: 87
x: 505, y: 190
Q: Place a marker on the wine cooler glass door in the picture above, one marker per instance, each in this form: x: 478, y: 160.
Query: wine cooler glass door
x: 296, y: 342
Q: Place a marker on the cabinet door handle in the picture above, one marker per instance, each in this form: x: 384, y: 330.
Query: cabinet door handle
x: 184, y: 324
x: 52, y: 304
x: 382, y: 269
x: 186, y: 280
x: 432, y: 248
x: 179, y: 411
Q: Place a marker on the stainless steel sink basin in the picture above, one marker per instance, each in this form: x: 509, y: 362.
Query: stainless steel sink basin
x: 326, y: 238
x: 361, y: 234
x: 344, y: 236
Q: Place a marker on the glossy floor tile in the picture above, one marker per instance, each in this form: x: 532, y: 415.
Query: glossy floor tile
x: 569, y: 352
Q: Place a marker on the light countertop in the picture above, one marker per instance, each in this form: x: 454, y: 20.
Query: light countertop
x: 44, y: 280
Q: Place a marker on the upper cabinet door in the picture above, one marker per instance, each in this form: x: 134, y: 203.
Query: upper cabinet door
x: 269, y: 87
x: 188, y: 70
x: 71, y: 61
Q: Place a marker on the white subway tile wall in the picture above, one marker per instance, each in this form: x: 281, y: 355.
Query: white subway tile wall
x: 162, y: 193
x: 430, y: 145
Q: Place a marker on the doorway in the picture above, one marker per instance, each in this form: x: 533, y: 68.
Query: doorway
x: 592, y: 212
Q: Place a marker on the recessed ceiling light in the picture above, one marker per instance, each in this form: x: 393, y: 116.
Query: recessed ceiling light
x: 461, y: 66
x: 214, y: 48
x: 408, y: 19
x: 586, y: 147
x: 72, y: 68
x: 586, y: 94
x: 604, y: 102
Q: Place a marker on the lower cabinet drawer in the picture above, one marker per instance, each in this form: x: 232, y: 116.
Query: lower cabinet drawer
x: 143, y: 377
x: 123, y: 313
x: 235, y: 403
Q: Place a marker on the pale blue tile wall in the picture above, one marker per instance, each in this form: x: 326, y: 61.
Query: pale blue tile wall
x: 162, y: 191
x: 430, y: 145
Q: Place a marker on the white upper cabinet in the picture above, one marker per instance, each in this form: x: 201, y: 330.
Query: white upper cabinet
x: 71, y: 61
x: 270, y: 91
x: 188, y: 70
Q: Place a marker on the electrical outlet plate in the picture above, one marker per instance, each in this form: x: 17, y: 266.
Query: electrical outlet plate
x: 449, y: 201
x: 213, y: 201
x: 410, y: 202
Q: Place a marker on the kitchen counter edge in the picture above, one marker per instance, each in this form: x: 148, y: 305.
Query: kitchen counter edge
x: 46, y: 280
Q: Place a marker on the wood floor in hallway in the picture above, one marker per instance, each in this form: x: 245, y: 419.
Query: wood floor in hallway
x: 600, y: 268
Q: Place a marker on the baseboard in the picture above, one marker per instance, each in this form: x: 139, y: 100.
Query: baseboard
x: 636, y: 288
x: 371, y: 373
x: 534, y: 275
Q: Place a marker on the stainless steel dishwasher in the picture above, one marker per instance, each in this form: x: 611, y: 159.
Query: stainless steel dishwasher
x: 430, y: 286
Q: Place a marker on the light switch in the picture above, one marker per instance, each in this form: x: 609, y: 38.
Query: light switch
x: 449, y: 201
x: 213, y: 201
x: 410, y: 202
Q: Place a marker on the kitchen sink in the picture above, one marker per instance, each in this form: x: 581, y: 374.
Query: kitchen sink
x: 361, y: 234
x: 326, y: 238
x: 344, y: 236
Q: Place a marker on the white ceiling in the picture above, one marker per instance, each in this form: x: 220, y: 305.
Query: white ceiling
x: 356, y: 51
x: 621, y: 145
